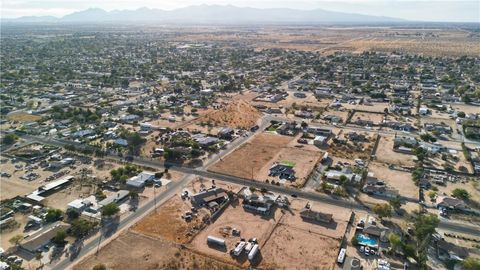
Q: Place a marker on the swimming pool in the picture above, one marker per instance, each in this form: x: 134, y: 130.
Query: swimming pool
x: 366, y: 241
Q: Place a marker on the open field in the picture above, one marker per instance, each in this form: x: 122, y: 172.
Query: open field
x: 297, y: 244
x: 401, y: 181
x: 252, y: 156
x: 385, y: 153
x: 250, y: 225
x: 23, y: 117
x: 293, y: 248
x: 376, y: 118
x: 167, y: 222
x: 135, y: 251
x: 239, y: 114
x: 304, y: 161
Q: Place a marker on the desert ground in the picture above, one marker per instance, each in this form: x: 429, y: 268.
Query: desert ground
x: 251, y: 157
x: 238, y: 114
x: 136, y: 251
x: 386, y: 154
x: 167, y: 223
x: 401, y: 181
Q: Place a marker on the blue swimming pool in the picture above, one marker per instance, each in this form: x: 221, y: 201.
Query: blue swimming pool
x: 366, y: 241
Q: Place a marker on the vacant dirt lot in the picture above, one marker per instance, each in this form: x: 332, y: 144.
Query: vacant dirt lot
x: 167, y: 222
x: 23, y: 117
x: 250, y: 225
x: 252, y: 156
x: 402, y: 181
x: 376, y: 118
x: 238, y: 114
x: 386, y: 154
x: 135, y: 251
x: 293, y: 248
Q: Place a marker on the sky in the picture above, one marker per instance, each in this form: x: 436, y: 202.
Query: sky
x: 423, y: 10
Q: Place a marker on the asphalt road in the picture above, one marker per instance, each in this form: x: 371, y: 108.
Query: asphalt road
x: 176, y: 186
x: 173, y: 188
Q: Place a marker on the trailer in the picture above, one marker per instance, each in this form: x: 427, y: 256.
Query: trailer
x: 248, y: 247
x: 212, y: 240
x: 341, y: 255
x: 239, y: 248
x: 253, y: 253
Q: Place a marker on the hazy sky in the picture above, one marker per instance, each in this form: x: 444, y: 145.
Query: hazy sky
x: 424, y: 10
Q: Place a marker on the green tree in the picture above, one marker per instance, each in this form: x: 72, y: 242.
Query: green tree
x: 354, y: 241
x: 110, y: 210
x: 99, y: 266
x: 53, y: 215
x: 9, y: 139
x: 395, y: 202
x: 471, y: 263
x: 394, y: 240
x: 16, y: 239
x: 81, y: 227
x: 59, y: 238
x: 460, y: 193
x: 425, y: 225
x: 432, y: 195
x: 383, y: 210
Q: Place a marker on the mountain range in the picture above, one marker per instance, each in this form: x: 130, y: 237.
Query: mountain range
x: 211, y: 14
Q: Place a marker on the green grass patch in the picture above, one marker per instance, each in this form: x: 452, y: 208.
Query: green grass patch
x: 288, y: 163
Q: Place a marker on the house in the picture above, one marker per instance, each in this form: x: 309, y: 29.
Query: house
x: 140, y: 180
x: 438, y: 127
x: 308, y: 214
x: 450, y: 251
x: 226, y: 133
x: 80, y: 205
x: 373, y: 186
x: 258, y: 204
x: 39, y: 194
x: 121, y: 142
x: 116, y: 197
x: 282, y: 171
x: 451, y: 203
x: 83, y: 133
x: 204, y: 140
x: 218, y: 195
x: 36, y: 241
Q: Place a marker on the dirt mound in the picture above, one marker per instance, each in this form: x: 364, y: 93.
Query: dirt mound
x: 238, y: 114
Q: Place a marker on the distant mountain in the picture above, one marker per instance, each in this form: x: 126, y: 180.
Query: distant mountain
x: 214, y: 14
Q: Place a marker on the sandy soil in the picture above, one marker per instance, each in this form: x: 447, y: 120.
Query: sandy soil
x: 252, y: 156
x: 293, y: 248
x: 250, y: 225
x: 167, y: 222
x: 23, y: 117
x: 402, y: 181
x: 376, y: 118
x: 304, y: 160
x: 238, y: 114
x: 386, y: 154
x: 135, y: 251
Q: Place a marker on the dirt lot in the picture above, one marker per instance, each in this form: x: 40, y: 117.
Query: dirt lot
x: 135, y: 251
x: 352, y: 150
x: 303, y: 159
x: 293, y: 248
x: 238, y: 114
x: 376, y: 118
x: 23, y: 117
x: 252, y: 156
x: 385, y: 153
x: 167, y: 222
x: 250, y: 225
x: 402, y: 181
x: 316, y: 245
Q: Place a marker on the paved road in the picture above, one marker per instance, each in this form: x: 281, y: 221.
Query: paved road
x: 313, y: 196
x: 176, y: 186
x: 172, y: 188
